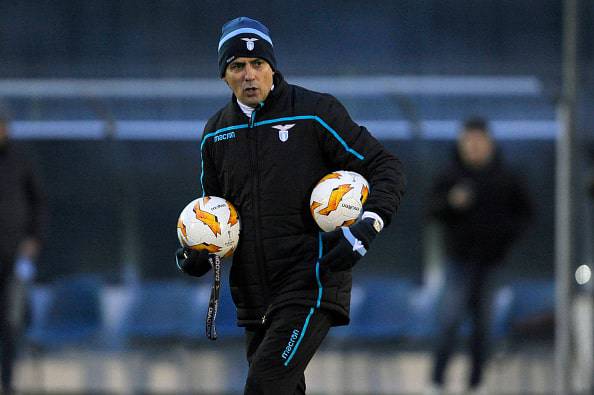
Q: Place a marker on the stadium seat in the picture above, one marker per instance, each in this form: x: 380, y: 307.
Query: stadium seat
x: 527, y: 327
x: 164, y: 312
x: 72, y: 315
x: 501, y: 313
x: 423, y: 312
x: 532, y: 315
x: 384, y: 312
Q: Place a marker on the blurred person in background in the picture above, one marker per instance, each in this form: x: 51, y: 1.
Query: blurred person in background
x: 483, y: 208
x: 22, y: 214
x: 264, y: 152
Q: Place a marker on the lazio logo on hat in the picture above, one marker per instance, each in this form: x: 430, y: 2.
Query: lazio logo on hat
x: 249, y: 43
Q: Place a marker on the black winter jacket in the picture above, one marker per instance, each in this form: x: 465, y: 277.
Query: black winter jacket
x: 268, y: 174
x: 500, y: 210
x: 22, y: 203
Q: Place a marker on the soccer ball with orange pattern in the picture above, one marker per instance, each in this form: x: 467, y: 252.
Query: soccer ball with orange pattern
x: 337, y: 199
x: 209, y: 223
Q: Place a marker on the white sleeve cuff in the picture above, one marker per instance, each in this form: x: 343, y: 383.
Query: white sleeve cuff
x: 371, y: 214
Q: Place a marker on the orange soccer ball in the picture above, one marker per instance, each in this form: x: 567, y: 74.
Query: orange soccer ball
x: 209, y: 223
x: 337, y: 199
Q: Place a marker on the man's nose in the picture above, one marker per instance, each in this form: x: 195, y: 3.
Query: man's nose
x: 249, y: 72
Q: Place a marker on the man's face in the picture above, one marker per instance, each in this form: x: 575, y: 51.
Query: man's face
x: 476, y: 147
x: 250, y: 79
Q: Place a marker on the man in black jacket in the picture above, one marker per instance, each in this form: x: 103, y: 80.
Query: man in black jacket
x: 264, y: 152
x: 483, y: 208
x: 22, y: 211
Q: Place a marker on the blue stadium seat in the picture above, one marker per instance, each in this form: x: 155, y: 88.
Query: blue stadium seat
x: 532, y: 297
x: 164, y: 311
x: 426, y: 317
x: 72, y: 316
x: 532, y: 315
x: 501, y: 313
x: 396, y: 309
x: 384, y: 312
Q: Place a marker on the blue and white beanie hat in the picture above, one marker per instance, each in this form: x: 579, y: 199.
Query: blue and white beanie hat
x: 244, y: 37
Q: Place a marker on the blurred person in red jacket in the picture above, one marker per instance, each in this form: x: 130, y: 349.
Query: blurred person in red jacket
x: 22, y: 213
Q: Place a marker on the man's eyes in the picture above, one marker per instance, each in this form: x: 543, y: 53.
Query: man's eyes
x: 240, y: 66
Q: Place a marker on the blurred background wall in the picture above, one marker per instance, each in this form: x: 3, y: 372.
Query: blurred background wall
x: 118, y: 167
x: 177, y: 39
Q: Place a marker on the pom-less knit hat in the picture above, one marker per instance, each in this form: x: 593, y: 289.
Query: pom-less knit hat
x: 244, y: 37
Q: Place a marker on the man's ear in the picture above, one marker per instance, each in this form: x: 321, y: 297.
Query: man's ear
x: 224, y: 79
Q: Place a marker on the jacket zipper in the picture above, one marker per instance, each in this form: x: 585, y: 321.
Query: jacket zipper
x: 255, y: 191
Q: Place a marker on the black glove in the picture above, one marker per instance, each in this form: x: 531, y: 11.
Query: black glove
x: 345, y: 246
x: 192, y: 262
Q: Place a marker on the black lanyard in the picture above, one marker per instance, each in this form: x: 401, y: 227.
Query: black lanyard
x: 213, y: 303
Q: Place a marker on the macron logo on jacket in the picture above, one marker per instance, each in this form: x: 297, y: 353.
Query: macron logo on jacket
x: 224, y: 136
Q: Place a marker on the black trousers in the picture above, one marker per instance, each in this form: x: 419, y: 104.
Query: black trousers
x: 468, y: 290
x: 279, y: 352
x: 7, y: 326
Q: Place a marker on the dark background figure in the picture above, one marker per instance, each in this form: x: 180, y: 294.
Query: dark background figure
x: 483, y: 207
x: 22, y: 214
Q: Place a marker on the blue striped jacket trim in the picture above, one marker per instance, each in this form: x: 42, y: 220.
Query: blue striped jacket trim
x: 269, y: 121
